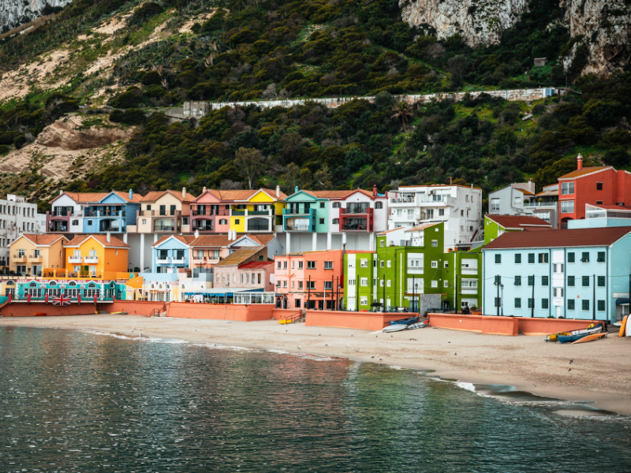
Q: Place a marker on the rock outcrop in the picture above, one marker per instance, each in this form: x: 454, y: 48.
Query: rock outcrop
x: 17, y: 12
x: 602, y: 28
x: 477, y: 21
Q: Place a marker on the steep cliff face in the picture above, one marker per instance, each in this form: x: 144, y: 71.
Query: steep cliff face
x: 477, y: 21
x: 16, y: 12
x: 601, y: 28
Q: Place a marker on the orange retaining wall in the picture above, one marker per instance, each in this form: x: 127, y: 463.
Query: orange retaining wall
x: 23, y: 309
x: 356, y: 320
x: 491, y: 324
x: 238, y: 312
x: 146, y: 308
x: 284, y: 314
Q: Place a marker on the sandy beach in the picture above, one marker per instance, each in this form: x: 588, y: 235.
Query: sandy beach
x: 599, y: 371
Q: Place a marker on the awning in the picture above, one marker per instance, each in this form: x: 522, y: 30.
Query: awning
x: 622, y: 300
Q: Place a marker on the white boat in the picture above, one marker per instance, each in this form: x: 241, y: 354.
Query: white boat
x: 394, y: 328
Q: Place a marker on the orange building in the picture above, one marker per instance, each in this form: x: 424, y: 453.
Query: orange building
x: 99, y: 256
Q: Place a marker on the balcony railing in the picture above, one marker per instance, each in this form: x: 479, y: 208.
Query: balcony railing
x: 469, y: 271
x: 75, y: 259
x: 163, y: 260
x: 164, y: 228
x: 178, y: 260
x: 91, y: 259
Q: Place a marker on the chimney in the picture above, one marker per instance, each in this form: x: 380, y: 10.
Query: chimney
x: 277, y: 191
x: 450, y: 180
x: 374, y: 191
x: 579, y: 162
x: 183, y: 192
x: 204, y: 190
x: 196, y: 233
x: 296, y: 189
x: 131, y: 194
x: 109, y: 237
x: 61, y: 191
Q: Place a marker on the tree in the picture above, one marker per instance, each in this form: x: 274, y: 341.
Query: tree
x: 251, y: 163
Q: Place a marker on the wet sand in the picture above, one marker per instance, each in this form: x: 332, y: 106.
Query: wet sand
x: 599, y: 371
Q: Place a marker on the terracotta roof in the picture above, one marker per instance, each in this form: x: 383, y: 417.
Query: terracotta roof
x: 85, y: 197
x: 332, y: 194
x: 611, y: 207
x: 391, y: 230
x: 186, y: 239
x: 255, y: 264
x: 239, y: 256
x: 559, y: 238
x: 102, y: 239
x: 522, y: 222
x: 584, y: 171
x: 418, y: 228
x: 125, y: 196
x: 44, y: 239
x: 440, y: 185
x: 235, y: 194
x: 155, y: 195
x: 548, y: 193
x: 214, y: 241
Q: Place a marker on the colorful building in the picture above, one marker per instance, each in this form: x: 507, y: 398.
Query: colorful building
x: 360, y: 281
x: 172, y: 253
x: 96, y: 256
x: 17, y: 216
x: 337, y: 219
x: 599, y: 185
x: 246, y: 269
x: 32, y: 253
x: 313, y: 279
x: 495, y: 225
x: 76, y: 290
x: 577, y: 273
x: 520, y: 198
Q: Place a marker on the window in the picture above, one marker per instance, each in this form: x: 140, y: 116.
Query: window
x: 567, y: 206
x: 599, y: 186
x: 328, y: 285
x: 531, y: 280
x: 531, y: 257
x: 434, y: 264
x: 570, y: 281
x: 446, y: 264
x: 311, y: 265
x: 300, y: 284
x: 434, y: 243
x: 570, y: 304
x: 517, y: 280
x: 601, y: 257
x: 388, y: 263
x: 20, y: 253
x: 570, y: 257
x: 312, y: 284
x: 517, y: 302
x: 163, y: 210
x: 321, y: 221
x: 498, y: 280
x: 363, y: 263
x: 388, y: 283
x: 328, y: 265
x: 381, y: 264
x: 517, y: 258
x: 445, y: 283
x: 543, y: 257
x: 601, y: 281
x: 585, y: 281
x: 363, y: 282
x: 585, y: 304
x: 321, y: 205
x: 498, y: 258
x: 300, y: 264
x: 336, y: 205
x: 434, y: 283
x: 379, y: 205
x: 336, y: 221
x: 237, y: 221
x: 363, y: 300
x: 558, y: 292
x: 557, y: 267
x: 544, y: 303
x: 544, y: 280
x: 567, y: 188
x: 531, y: 303
x: 285, y: 283
x: 585, y: 257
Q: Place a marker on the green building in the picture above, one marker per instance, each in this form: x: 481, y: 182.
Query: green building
x: 495, y: 225
x: 408, y: 263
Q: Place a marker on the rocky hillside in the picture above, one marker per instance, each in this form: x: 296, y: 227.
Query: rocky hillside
x: 599, y: 29
x: 81, y: 96
x: 17, y: 12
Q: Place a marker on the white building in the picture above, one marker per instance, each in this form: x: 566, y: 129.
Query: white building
x: 17, y: 216
x: 520, y: 199
x: 460, y: 207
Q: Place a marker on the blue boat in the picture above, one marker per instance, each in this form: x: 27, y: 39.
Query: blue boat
x: 578, y: 334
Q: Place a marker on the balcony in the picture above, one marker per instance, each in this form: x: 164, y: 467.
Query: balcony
x: 91, y: 259
x: 163, y: 260
x: 75, y: 259
x: 18, y: 259
x: 176, y: 260
x: 299, y: 222
x: 259, y: 224
x: 356, y: 219
x: 469, y: 271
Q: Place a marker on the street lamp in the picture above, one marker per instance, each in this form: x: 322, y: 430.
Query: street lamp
x: 498, y: 299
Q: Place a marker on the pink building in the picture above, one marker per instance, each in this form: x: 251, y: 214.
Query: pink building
x: 209, y: 213
x: 313, y: 279
x: 246, y: 269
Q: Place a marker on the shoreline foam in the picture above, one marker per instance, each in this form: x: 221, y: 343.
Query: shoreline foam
x: 565, y: 372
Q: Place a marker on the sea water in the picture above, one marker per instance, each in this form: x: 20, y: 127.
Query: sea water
x: 73, y: 401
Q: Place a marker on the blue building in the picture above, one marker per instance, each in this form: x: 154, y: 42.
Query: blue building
x: 171, y: 253
x: 576, y: 273
x: 112, y: 213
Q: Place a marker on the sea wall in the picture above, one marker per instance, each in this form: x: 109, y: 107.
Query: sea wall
x: 147, y: 308
x: 23, y: 309
x: 493, y: 325
x: 237, y: 312
x: 355, y: 320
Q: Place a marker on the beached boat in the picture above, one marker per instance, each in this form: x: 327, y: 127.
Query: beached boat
x: 590, y: 338
x: 416, y: 325
x: 623, y: 326
x: 585, y: 331
x: 408, y: 321
x: 578, y: 334
x: 394, y: 328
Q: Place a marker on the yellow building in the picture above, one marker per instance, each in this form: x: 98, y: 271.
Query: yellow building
x: 100, y: 256
x: 255, y: 210
x: 31, y: 254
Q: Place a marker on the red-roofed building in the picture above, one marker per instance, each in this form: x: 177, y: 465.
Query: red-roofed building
x: 599, y: 185
x: 495, y: 225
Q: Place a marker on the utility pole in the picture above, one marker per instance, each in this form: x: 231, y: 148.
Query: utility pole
x: 497, y: 298
x: 532, y: 307
x: 594, y: 297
